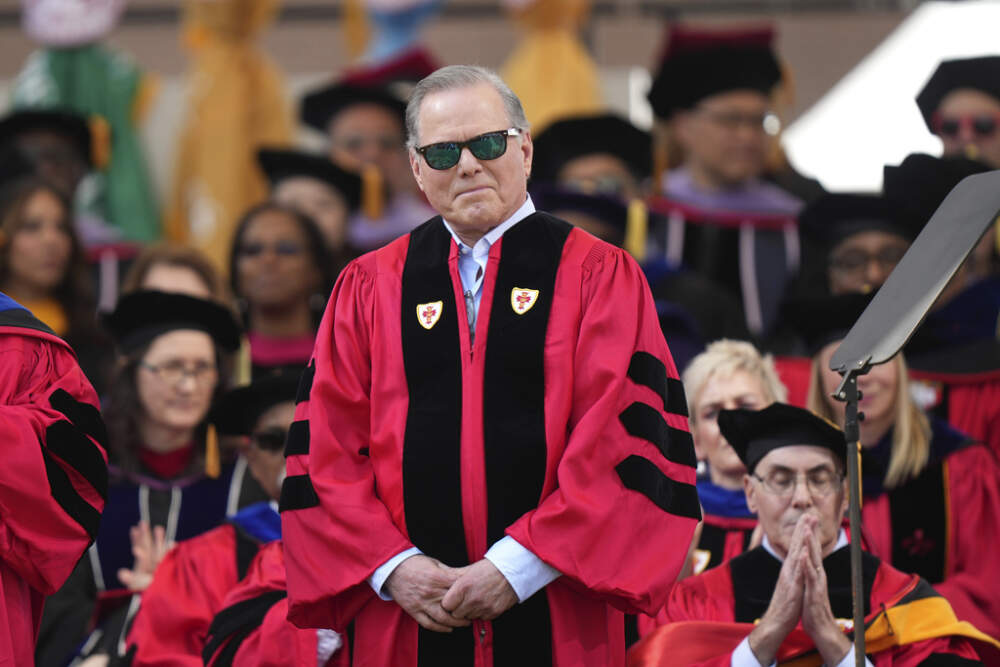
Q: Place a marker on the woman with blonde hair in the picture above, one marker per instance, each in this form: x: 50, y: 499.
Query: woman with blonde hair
x: 729, y: 374
x: 931, y: 494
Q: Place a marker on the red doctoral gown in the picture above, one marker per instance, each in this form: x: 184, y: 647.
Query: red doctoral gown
x: 54, y: 479
x: 187, y: 591
x: 563, y: 425
x: 708, y: 615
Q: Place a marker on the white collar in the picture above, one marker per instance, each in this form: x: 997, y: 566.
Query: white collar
x: 491, y: 237
x: 841, y: 543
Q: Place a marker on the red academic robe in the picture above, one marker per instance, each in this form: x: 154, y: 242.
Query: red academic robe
x: 943, y: 525
x: 708, y: 615
x: 562, y: 425
x: 54, y: 475
x: 252, y: 628
x: 187, y: 591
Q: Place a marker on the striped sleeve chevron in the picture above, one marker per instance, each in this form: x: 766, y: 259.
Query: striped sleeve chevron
x: 645, y: 421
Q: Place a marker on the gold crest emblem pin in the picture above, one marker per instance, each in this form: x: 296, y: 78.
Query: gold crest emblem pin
x: 429, y: 313
x: 521, y: 300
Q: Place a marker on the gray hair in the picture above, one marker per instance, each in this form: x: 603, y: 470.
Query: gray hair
x: 461, y: 76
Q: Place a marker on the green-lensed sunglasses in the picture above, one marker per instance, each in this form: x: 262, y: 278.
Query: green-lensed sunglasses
x: 446, y: 154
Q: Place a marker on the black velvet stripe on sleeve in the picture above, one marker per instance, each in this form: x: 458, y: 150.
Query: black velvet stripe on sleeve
x: 70, y: 444
x: 643, y: 421
x: 648, y: 371
x: 298, y: 438
x: 67, y: 497
x: 514, y: 411
x: 641, y: 475
x: 297, y: 493
x: 235, y: 622
x: 919, y: 524
x: 84, y: 416
x: 947, y: 660
x: 306, y: 382
x: 432, y: 447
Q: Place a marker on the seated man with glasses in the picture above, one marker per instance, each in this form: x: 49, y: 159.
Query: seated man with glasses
x: 790, y: 598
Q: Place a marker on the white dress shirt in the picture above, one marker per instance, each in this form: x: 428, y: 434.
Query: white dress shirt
x: 525, y: 572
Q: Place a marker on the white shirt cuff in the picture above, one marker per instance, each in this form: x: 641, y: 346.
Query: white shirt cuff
x: 744, y: 657
x: 848, y: 660
x: 377, y: 580
x: 525, y: 572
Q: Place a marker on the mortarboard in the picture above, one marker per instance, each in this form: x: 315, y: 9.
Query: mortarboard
x: 321, y: 105
x: 981, y: 74
x: 239, y: 409
x: 67, y: 123
x: 920, y: 183
x: 833, y: 217
x: 698, y: 63
x: 754, y: 433
x: 570, y: 138
x: 143, y: 315
x: 280, y: 164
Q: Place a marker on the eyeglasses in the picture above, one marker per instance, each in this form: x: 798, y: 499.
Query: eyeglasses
x: 174, y: 372
x: 768, y: 122
x: 281, y: 248
x: 855, y: 261
x: 782, y: 483
x: 980, y: 125
x: 270, y: 439
x: 446, y: 154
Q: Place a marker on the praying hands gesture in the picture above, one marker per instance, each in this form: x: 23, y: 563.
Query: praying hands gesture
x: 801, y: 594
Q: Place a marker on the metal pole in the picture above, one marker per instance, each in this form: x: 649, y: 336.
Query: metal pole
x: 848, y: 393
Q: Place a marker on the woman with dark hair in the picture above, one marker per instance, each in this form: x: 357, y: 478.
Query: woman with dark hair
x: 167, y: 482
x: 281, y: 273
x: 42, y: 267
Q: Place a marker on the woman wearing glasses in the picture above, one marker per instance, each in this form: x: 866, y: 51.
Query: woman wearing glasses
x: 931, y: 494
x: 167, y: 482
x: 281, y: 274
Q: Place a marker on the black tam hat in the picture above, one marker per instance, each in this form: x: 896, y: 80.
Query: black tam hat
x: 610, y: 211
x: 143, y: 315
x: 920, y: 183
x: 981, y: 74
x: 570, y: 138
x: 754, y: 433
x: 67, y: 123
x: 280, y: 164
x: 238, y: 410
x: 823, y: 320
x: 321, y: 105
x: 700, y: 63
x: 833, y: 217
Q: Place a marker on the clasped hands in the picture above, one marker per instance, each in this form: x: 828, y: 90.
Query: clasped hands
x: 801, y: 594
x: 441, y: 598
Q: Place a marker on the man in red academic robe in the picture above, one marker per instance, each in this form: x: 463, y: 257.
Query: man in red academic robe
x: 493, y: 462
x: 54, y: 479
x: 790, y: 598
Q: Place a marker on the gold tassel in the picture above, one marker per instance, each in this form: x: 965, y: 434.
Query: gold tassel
x: 357, y: 32
x: 636, y: 228
x: 372, y: 197
x: 213, y: 465
x: 100, y: 141
x: 242, y: 369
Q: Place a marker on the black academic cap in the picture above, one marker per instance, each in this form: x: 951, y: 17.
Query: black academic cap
x: 754, y: 433
x: 699, y: 63
x: 570, y: 138
x: 239, y: 409
x: 143, y: 315
x: 822, y: 320
x: 611, y: 211
x: 13, y: 165
x: 279, y: 164
x: 920, y: 183
x: 833, y: 217
x: 981, y: 74
x: 320, y: 105
x: 68, y: 123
